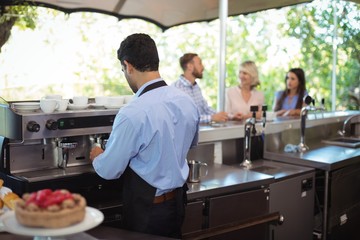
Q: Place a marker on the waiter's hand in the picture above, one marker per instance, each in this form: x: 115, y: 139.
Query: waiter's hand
x: 95, y: 151
x: 220, y: 117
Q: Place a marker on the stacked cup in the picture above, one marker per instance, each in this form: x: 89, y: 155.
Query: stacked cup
x: 81, y: 101
x: 48, y: 105
x: 62, y: 103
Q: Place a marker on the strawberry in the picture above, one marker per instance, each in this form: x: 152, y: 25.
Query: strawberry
x: 47, y: 197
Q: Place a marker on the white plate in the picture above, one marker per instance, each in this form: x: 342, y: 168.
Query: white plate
x: 114, y: 106
x: 77, y: 107
x: 26, y: 106
x: 93, y: 218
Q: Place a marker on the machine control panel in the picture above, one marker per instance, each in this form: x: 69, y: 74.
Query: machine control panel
x: 85, y: 122
x: 75, y: 123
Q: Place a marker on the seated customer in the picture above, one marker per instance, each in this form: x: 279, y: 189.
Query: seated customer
x: 240, y: 98
x: 290, y: 101
x: 193, y: 69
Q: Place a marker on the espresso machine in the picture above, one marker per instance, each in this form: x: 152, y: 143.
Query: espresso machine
x: 40, y: 150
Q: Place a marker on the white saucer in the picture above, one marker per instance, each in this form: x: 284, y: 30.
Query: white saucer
x: 93, y: 217
x: 114, y: 106
x: 77, y: 107
x: 26, y: 106
x: 97, y: 106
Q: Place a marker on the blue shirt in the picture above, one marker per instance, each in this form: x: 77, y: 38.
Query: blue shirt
x: 152, y: 134
x: 287, y: 104
x: 195, y: 93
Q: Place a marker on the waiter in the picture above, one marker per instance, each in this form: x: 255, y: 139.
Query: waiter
x: 150, y: 139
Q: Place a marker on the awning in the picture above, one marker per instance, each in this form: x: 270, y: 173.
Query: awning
x: 163, y: 13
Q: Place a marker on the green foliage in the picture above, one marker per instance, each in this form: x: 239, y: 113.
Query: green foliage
x: 276, y: 40
x: 313, y: 25
x: 25, y: 15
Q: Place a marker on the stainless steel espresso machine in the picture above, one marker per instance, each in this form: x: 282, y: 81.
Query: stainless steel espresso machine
x: 41, y: 150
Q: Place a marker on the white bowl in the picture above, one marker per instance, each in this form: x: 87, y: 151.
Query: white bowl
x: 101, y: 100
x: 80, y: 100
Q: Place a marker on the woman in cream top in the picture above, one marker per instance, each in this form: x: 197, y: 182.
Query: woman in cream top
x: 240, y: 98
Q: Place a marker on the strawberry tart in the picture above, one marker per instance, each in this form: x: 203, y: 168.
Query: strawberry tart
x: 50, y: 209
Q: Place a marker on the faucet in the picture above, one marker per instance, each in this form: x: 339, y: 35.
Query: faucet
x: 249, y: 128
x: 302, y: 147
x: 346, y: 129
x: 65, y: 147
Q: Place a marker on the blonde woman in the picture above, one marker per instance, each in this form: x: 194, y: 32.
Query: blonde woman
x: 240, y: 98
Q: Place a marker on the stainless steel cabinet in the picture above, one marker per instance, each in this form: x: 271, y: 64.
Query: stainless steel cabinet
x: 294, y: 198
x: 236, y: 207
x: 193, y: 217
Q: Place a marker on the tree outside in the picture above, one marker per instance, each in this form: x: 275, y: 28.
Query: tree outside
x: 76, y: 54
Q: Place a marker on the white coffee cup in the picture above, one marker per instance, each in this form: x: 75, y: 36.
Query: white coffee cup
x: 53, y: 96
x: 101, y: 100
x: 48, y: 105
x: 116, y: 101
x: 80, y: 100
x: 63, y: 104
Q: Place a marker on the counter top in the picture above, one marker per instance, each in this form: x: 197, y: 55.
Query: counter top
x: 223, y: 179
x: 321, y: 156
x: 235, y: 129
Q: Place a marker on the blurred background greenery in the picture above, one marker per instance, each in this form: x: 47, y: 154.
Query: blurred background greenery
x: 52, y: 52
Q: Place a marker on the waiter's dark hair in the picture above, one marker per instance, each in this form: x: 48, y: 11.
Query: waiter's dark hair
x: 300, y: 91
x: 139, y: 50
x: 185, y: 59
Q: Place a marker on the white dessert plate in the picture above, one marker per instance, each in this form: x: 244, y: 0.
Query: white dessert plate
x: 77, y: 107
x: 93, y: 217
x: 26, y: 106
x: 114, y: 106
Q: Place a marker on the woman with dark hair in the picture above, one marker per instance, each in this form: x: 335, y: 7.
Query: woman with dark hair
x: 290, y: 101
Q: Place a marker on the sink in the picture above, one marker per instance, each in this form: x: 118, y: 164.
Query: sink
x: 278, y: 170
x: 344, y: 142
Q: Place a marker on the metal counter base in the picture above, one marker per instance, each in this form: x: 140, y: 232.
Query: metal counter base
x: 337, y: 191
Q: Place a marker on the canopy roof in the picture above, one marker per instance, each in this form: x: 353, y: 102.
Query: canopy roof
x: 164, y: 13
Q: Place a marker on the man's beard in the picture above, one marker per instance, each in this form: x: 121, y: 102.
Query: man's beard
x: 197, y: 74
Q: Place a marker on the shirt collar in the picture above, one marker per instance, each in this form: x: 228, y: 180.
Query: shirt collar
x: 147, y: 84
x: 186, y: 82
